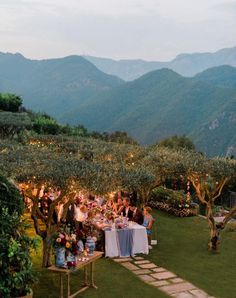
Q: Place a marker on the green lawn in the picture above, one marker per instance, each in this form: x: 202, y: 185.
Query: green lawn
x: 182, y: 248
x: 112, y: 280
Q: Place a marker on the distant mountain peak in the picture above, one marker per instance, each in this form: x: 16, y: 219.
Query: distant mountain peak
x: 162, y: 74
x: 225, y: 50
x: 222, y: 76
x: 186, y: 64
x: 16, y: 55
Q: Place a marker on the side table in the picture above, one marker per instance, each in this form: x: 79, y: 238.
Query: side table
x: 88, y: 266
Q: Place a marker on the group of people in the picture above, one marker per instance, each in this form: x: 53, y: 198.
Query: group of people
x: 89, y: 215
x: 133, y: 213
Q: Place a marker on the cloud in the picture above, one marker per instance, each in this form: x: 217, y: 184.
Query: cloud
x: 226, y: 7
x: 149, y: 29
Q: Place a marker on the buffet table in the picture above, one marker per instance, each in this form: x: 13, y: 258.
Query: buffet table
x: 127, y: 241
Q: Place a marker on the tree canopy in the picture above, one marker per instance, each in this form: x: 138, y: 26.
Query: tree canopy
x: 77, y: 163
x: 10, y: 102
x: 177, y: 142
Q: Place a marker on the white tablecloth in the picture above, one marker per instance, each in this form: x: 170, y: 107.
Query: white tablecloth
x: 139, y: 245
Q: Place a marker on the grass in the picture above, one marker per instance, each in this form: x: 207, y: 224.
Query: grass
x: 111, y: 278
x: 182, y: 248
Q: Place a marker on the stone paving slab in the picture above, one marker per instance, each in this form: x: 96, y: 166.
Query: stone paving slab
x: 182, y: 295
x: 163, y: 275
x: 199, y: 293
x: 148, y: 266
x: 159, y: 269
x: 138, y: 258
x: 146, y: 278
x: 120, y: 260
x: 161, y: 278
x: 141, y: 262
x: 176, y: 280
x: 142, y: 271
x: 160, y: 283
x: 129, y: 266
x: 177, y: 288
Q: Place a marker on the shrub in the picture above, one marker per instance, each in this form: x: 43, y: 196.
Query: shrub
x: 45, y: 125
x: 16, y: 273
x: 231, y: 226
x: 172, y: 201
x: 174, y: 198
x: 10, y: 102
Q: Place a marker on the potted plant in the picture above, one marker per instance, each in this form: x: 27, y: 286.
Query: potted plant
x: 16, y: 273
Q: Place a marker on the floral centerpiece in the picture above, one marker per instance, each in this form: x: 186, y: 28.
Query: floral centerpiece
x: 66, y: 248
x: 59, y: 245
x: 71, y: 250
x: 109, y: 215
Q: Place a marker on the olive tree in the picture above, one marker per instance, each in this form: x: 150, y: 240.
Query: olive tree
x: 150, y: 167
x: 209, y: 177
x: 38, y: 164
x: 12, y: 124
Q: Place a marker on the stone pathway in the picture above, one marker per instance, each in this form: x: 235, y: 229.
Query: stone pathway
x: 161, y: 278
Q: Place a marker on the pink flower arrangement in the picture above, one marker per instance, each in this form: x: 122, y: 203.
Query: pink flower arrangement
x: 69, y: 242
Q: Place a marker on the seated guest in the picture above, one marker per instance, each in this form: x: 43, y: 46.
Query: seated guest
x: 92, y: 228
x: 99, y: 200
x: 119, y: 206
x: 126, y: 211
x: 110, y: 204
x: 148, y: 223
x: 137, y: 215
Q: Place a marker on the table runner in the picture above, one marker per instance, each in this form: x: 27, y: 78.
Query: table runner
x: 125, y: 240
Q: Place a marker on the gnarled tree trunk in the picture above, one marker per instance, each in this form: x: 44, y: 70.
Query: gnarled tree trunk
x: 46, y: 261
x: 214, y: 231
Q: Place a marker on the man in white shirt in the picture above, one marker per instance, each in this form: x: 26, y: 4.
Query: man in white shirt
x: 80, y: 215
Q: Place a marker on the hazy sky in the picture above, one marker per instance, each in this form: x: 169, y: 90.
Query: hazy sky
x: 146, y: 29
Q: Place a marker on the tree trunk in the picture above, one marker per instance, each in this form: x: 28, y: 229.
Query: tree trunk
x: 214, y: 231
x: 144, y: 196
x: 46, y: 262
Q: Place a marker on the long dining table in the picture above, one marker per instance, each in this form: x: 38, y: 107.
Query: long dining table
x: 127, y: 241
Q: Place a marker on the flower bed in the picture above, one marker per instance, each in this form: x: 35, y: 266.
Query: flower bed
x: 171, y: 201
x: 184, y: 212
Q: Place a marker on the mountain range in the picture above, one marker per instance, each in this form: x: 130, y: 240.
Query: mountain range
x: 159, y: 104
x: 163, y: 103
x: 184, y: 64
x: 53, y: 85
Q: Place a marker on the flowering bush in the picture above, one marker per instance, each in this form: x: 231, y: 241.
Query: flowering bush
x: 174, y: 198
x: 172, y: 201
x: 179, y: 212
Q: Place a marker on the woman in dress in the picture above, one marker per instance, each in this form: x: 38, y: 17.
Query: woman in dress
x: 148, y: 221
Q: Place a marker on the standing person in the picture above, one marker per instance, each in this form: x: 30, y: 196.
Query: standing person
x: 60, y: 208
x: 126, y: 211
x: 51, y: 198
x: 137, y: 215
x: 148, y: 223
x: 80, y: 215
